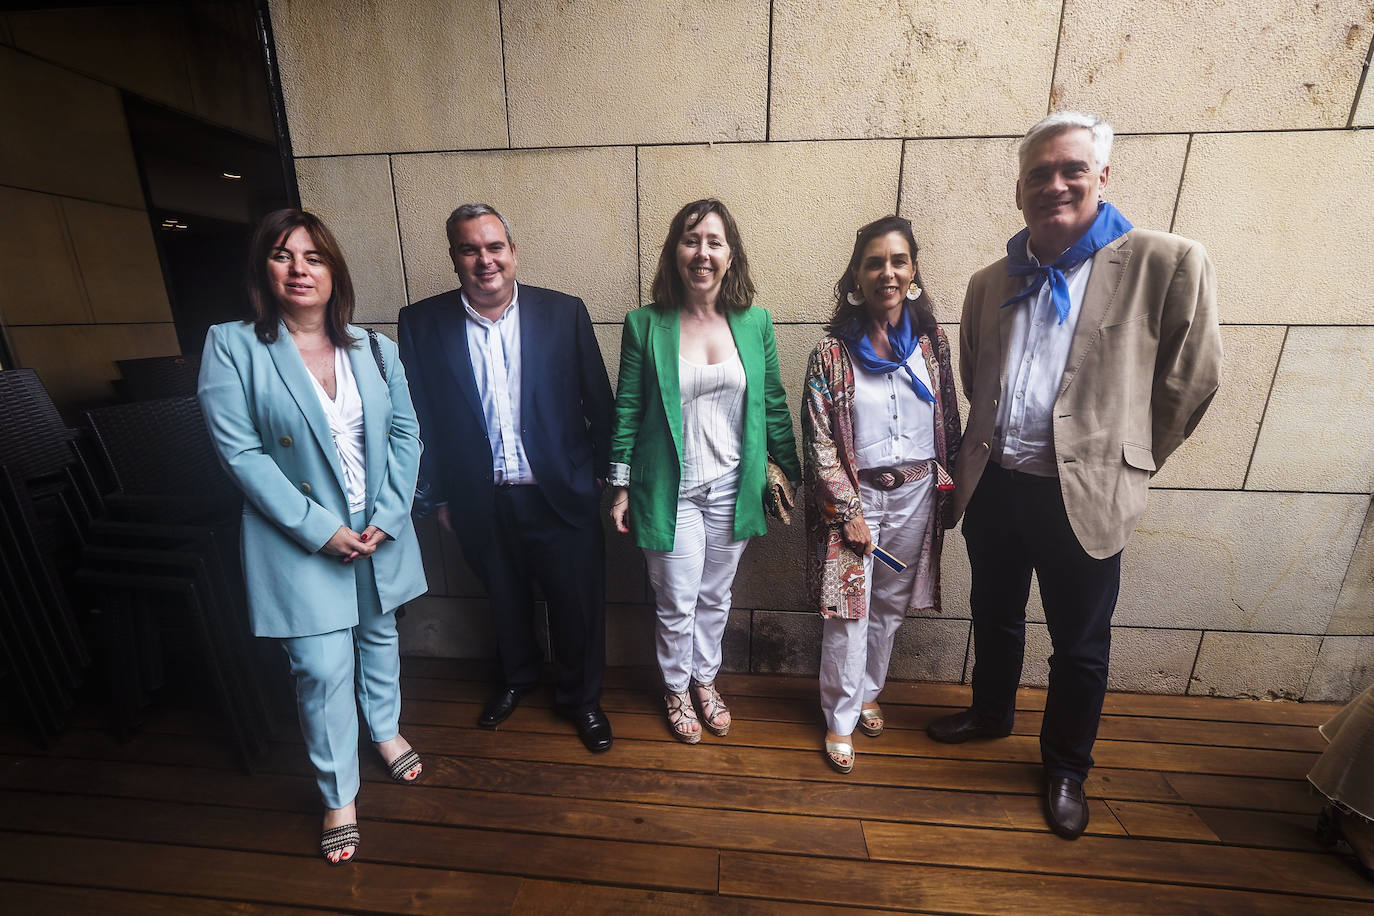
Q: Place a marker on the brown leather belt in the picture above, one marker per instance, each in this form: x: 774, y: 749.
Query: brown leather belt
x: 890, y: 478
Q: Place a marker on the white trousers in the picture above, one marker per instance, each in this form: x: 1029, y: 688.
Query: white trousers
x: 855, y: 654
x: 692, y: 584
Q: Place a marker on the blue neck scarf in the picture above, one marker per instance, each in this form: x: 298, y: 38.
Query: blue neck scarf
x: 903, y: 343
x: 1109, y: 226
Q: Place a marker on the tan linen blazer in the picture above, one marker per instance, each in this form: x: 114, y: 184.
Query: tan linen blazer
x: 1143, y: 367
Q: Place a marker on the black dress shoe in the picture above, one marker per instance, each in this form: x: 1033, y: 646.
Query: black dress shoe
x: 961, y: 726
x: 593, y: 728
x: 1066, y: 808
x: 499, y: 707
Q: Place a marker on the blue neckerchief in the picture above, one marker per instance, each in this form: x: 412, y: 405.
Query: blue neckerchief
x: 903, y: 343
x: 1109, y: 226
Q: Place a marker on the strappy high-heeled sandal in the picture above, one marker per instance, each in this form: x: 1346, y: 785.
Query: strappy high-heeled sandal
x: 715, y: 715
x: 680, y: 716
x: 871, y: 722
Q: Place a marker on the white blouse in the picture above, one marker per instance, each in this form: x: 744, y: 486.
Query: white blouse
x: 345, y: 415
x: 712, y: 420
x: 892, y: 426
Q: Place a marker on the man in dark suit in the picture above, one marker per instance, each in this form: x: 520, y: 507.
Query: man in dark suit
x: 515, y: 414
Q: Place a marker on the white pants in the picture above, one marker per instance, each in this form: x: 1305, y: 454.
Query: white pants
x: 692, y: 585
x: 855, y: 653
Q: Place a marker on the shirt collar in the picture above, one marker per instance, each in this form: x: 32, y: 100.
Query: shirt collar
x: 480, y: 319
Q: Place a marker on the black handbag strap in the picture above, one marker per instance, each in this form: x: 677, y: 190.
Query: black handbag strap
x: 377, y: 353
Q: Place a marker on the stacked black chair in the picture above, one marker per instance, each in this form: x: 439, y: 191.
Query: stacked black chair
x: 159, y: 377
x: 47, y: 500
x: 166, y: 555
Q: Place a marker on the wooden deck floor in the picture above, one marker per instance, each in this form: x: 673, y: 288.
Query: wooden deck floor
x: 1198, y: 806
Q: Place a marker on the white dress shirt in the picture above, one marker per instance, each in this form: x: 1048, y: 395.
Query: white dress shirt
x: 345, y: 414
x: 1036, y: 356
x: 892, y: 426
x: 494, y: 348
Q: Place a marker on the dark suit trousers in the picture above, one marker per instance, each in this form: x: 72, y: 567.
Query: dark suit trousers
x: 1016, y: 523
x: 531, y: 542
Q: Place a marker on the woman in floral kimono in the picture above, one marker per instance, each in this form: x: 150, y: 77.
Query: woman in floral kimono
x: 880, y: 424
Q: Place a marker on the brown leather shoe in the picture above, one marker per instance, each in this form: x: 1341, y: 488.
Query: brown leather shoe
x: 960, y: 727
x: 1066, y: 808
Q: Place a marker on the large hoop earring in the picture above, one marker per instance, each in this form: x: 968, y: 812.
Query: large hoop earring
x: 913, y: 292
x: 853, y: 298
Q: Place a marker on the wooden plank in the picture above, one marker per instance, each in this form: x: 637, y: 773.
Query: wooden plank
x: 668, y: 820
x: 958, y: 696
x: 25, y: 897
x: 561, y: 899
x: 1172, y: 822
x: 504, y: 852
x: 1148, y: 755
x: 1262, y: 828
x: 429, y: 705
x: 1213, y: 791
x: 250, y: 876
x: 952, y: 696
x: 970, y: 776
x: 833, y: 799
x: 888, y: 770
x: 1281, y: 871
x: 884, y: 770
x: 1155, y: 756
x: 963, y: 890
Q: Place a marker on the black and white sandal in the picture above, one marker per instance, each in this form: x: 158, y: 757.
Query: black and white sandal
x: 337, y: 838
x: 403, y: 765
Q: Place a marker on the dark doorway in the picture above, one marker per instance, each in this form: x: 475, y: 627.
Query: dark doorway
x: 206, y: 187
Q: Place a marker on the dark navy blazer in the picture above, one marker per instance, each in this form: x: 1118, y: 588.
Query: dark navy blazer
x: 566, y: 406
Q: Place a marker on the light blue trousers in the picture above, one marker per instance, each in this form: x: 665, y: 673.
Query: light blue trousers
x: 336, y: 674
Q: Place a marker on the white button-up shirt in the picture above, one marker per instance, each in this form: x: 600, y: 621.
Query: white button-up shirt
x: 1036, y: 357
x: 892, y: 426
x: 494, y: 348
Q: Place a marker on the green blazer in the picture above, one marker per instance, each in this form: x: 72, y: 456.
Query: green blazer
x: 648, y: 421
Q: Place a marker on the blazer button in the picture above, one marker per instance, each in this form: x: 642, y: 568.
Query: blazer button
x: 286, y: 441
x: 983, y: 444
x: 305, y: 488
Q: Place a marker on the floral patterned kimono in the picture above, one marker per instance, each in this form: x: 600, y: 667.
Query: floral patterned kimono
x: 834, y: 572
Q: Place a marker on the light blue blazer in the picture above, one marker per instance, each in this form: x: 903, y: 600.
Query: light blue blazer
x: 272, y: 436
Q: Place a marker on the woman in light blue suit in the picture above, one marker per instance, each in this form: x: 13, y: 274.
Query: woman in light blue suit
x: 317, y: 428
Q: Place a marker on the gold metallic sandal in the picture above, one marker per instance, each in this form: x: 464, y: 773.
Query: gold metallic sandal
x: 836, y: 749
x: 871, y: 722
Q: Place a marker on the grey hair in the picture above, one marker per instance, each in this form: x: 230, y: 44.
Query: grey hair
x: 472, y: 211
x: 1061, y: 121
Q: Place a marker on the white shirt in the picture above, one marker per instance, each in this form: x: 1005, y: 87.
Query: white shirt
x: 345, y: 414
x: 892, y: 426
x: 494, y: 348
x: 1036, y: 356
x: 712, y: 420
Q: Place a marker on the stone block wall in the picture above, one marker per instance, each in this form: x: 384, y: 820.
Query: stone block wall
x: 80, y: 281
x: 590, y: 123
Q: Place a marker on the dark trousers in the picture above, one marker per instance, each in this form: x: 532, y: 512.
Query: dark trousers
x: 1016, y: 523
x: 531, y: 542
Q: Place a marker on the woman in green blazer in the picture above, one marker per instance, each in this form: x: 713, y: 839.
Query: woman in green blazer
x: 700, y: 410
x: 320, y: 435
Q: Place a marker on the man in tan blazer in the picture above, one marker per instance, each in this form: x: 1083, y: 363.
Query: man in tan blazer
x: 1087, y: 355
